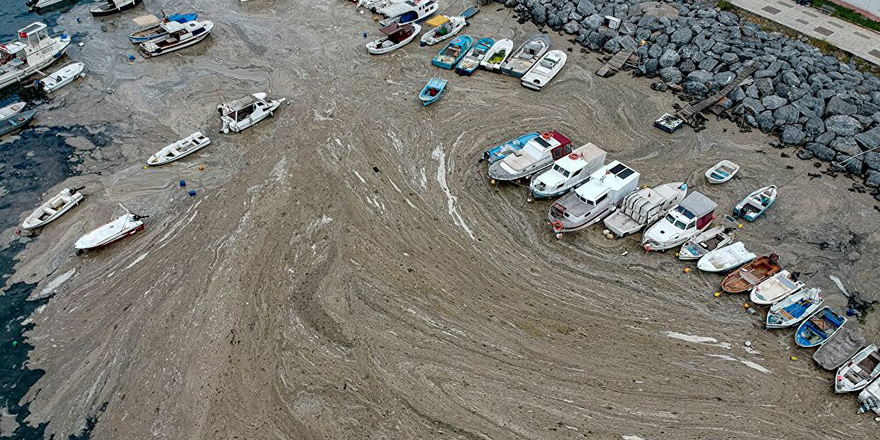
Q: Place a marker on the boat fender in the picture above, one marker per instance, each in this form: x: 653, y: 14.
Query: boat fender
x: 557, y: 225
x: 546, y: 135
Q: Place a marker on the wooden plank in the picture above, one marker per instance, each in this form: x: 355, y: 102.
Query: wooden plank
x: 690, y: 111
x: 615, y: 63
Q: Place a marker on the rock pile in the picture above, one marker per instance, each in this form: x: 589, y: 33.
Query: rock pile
x: 798, y: 93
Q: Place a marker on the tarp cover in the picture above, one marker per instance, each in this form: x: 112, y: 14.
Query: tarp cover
x: 145, y: 20
x: 838, y: 349
x: 698, y: 204
x: 436, y: 21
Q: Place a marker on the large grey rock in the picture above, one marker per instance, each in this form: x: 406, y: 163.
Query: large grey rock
x: 695, y: 88
x: 651, y: 66
x: 682, y: 36
x: 826, y: 138
x: 554, y: 21
x: 843, y: 125
x: 708, y: 64
x: 700, y: 76
x: 752, y: 91
x: 766, y: 122
x: 765, y: 86
x: 669, y: 58
x: 850, y: 164
x: 593, y: 22
x: 773, y: 102
x: 837, y: 106
x: 737, y: 94
x: 814, y: 127
x: 539, y: 14
x: 787, y: 114
x: 572, y: 27
x: 752, y: 105
x: 869, y: 139
x: 727, y: 18
x: 585, y: 7
x: 729, y: 58
x: 655, y: 51
x: 822, y: 152
x: 687, y: 66
x: 612, y: 45
x: 810, y: 106
x: 792, y: 135
x: 670, y: 75
x: 872, y: 160
x: 845, y: 145
x: 872, y: 179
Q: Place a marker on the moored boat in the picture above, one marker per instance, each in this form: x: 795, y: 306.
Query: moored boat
x: 839, y: 348
x: 11, y: 110
x: 795, y: 308
x: 449, y: 57
x: 856, y: 374
x: 705, y: 242
x: 595, y: 199
x: 751, y: 207
x: 442, y: 28
x: 497, y: 54
x: 538, y: 154
x: 432, y: 91
x: 42, y: 4
x: 725, y: 258
x: 408, y: 11
x: 818, y: 328
x: 33, y: 51
x: 180, y: 149
x: 775, y: 288
x: 123, y: 226
x: 179, y: 36
x: 110, y: 7
x: 644, y: 207
x: 246, y: 111
x: 544, y: 70
x: 17, y: 121
x: 693, y: 215
x: 568, y: 172
x: 62, y: 77
x: 751, y: 274
x: 396, y: 36
x: 157, y: 31
x: 520, y: 61
x: 499, y: 152
x: 471, y: 60
x: 870, y: 398
x: 53, y: 208
x: 722, y: 172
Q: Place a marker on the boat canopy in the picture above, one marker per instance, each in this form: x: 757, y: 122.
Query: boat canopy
x: 173, y: 26
x: 240, y: 104
x: 437, y: 21
x: 698, y: 204
x: 580, y: 158
x: 839, y: 349
x: 146, y: 20
x: 391, y: 29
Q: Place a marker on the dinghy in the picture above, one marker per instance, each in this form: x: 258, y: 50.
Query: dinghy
x: 544, y: 70
x: 408, y: 12
x: 725, y: 258
x: 157, y: 31
x: 568, y: 172
x: 863, y: 368
x: 6, y: 113
x: 396, y: 36
x: 40, y: 4
x: 16, y: 122
x: 124, y: 225
x: 538, y: 154
x: 443, y: 28
x: 497, y: 54
x: 111, y: 7
x: 62, y: 77
x: 594, y: 200
x: 499, y: 152
x: 432, y: 91
x: 751, y: 207
x: 751, y: 274
x: 644, y: 207
x: 54, y: 208
x: 775, y: 288
x: 526, y: 55
x: 471, y: 60
x: 795, y: 308
x: 722, y: 172
x: 839, y: 349
x: 449, y: 57
x: 818, y: 328
x: 179, y: 149
x: 179, y: 36
x: 870, y: 398
x: 693, y: 215
x: 245, y: 112
x: 705, y: 242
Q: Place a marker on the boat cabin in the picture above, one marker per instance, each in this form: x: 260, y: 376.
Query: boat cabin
x: 397, y: 33
x: 241, y: 108
x: 410, y: 10
x: 31, y: 40
x: 549, y: 61
x: 531, y: 50
x: 609, y: 181
x: 695, y: 211
x: 574, y: 167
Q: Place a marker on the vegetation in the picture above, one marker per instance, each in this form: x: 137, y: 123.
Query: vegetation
x: 725, y: 6
x: 845, y: 14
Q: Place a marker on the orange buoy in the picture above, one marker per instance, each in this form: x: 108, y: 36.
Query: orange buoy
x: 546, y: 135
x: 557, y: 226
x: 573, y: 156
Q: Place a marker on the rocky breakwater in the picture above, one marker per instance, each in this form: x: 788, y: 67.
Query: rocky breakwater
x: 809, y: 99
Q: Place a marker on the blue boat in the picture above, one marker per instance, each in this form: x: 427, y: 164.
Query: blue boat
x: 156, y: 31
x: 432, y: 91
x: 471, y: 61
x: 499, y: 152
x: 16, y: 122
x: 453, y: 52
x: 751, y: 207
x: 818, y: 328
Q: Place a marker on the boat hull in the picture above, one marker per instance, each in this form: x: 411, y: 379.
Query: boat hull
x: 76, y: 198
x: 102, y: 12
x: 17, y: 122
x: 21, y: 75
x: 182, y: 45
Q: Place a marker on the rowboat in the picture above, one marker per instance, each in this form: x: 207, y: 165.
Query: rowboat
x: 123, y: 226
x: 53, y: 208
x: 751, y: 274
x: 544, y: 70
x: 396, y: 36
x: 432, y: 91
x: 859, y: 371
x: 499, y: 152
x: 179, y: 36
x: 818, y: 328
x: 722, y: 172
x: 705, y: 242
x: 795, y: 308
x: 157, y: 31
x: 449, y: 57
x: 443, y: 28
x: 751, y: 207
x: 725, y: 258
x: 775, y: 288
x: 526, y: 55
x: 179, y: 149
x: 16, y: 122
x: 497, y: 54
x: 62, y: 77
x: 471, y: 61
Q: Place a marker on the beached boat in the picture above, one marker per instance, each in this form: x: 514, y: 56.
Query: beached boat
x: 33, y: 51
x: 432, y: 91
x: 53, y: 208
x: 499, y: 152
x: 179, y: 36
x: 471, y: 60
x: 818, y: 328
x: 751, y: 274
x: 705, y: 242
x: 751, y: 207
x: 11, y: 110
x: 42, y: 4
x: 396, y: 36
x: 795, y: 308
x: 722, y: 172
x: 725, y: 258
x: 693, y: 215
x: 538, y: 154
x: 775, y: 288
x: 62, y: 77
x: 568, y: 172
x: 839, y: 348
x: 442, y: 28
x: 409, y: 11
x: 123, y: 226
x: 449, y: 57
x: 157, y: 31
x: 19, y: 120
x: 497, y: 54
x: 246, y: 111
x: 870, y: 398
x: 544, y: 70
x: 863, y: 368
x: 595, y: 199
x: 521, y: 60
x: 644, y: 207
x: 179, y: 149
x: 110, y: 7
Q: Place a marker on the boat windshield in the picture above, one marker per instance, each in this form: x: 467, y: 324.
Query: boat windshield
x: 680, y: 225
x: 561, y: 171
x: 670, y: 219
x: 479, y: 51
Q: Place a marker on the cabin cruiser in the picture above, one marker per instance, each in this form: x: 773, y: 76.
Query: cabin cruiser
x: 178, y: 36
x: 594, y: 200
x: 246, y: 111
x: 538, y: 154
x: 568, y: 172
x: 693, y: 215
x: 410, y: 11
x: 34, y: 50
x: 644, y: 207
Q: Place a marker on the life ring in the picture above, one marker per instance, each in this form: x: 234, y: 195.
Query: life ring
x: 557, y: 226
x: 573, y: 156
x: 546, y: 135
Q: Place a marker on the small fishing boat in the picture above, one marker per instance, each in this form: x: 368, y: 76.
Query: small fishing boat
x: 179, y: 36
x: 471, y: 60
x: 795, y: 308
x: 863, y: 368
x: 453, y: 52
x: 818, y: 328
x: 34, y: 50
x: 62, y: 77
x: 870, y: 398
x: 751, y: 274
x: 520, y: 61
x: 409, y: 11
x: 41, y: 4
x: 751, y: 207
x: 123, y: 226
x: 568, y: 172
x: 179, y: 149
x: 775, y: 288
x: 538, y: 154
x: 644, y: 207
x: 442, y: 28
x: 432, y: 91
x: 499, y: 152
x: 693, y: 215
x: 839, y: 348
x: 110, y: 7
x: 705, y: 242
x: 54, y: 208
x: 157, y: 31
x: 396, y: 36
x: 544, y: 70
x: 725, y: 258
x: 16, y: 122
x: 722, y: 172
x: 594, y: 200
x: 13, y: 109
x: 497, y: 54
x: 247, y: 111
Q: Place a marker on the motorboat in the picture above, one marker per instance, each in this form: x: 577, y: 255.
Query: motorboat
x: 244, y: 112
x: 818, y: 328
x: 497, y: 54
x: 42, y: 4
x: 157, y: 31
x: 123, y: 226
x: 13, y: 109
x: 568, y: 172
x: 62, y: 77
x: 34, y: 50
x: 442, y: 28
x: 471, y: 61
x: 705, y: 242
x: 725, y: 258
x: 693, y: 215
x: 870, y: 398
x: 722, y: 172
x: 863, y: 368
x: 499, y: 152
x: 520, y: 61
x: 775, y: 288
x: 595, y: 199
x: 538, y: 154
x: 179, y: 36
x: 17, y: 121
x: 53, y: 208
x: 110, y: 7
x: 644, y: 207
x: 544, y: 70
x: 432, y: 91
x: 794, y: 309
x: 449, y: 57
x: 752, y: 274
x: 409, y: 11
x: 396, y: 36
x: 751, y: 207
x: 180, y: 149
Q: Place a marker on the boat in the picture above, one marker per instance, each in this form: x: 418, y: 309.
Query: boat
x: 818, y: 328
x: 839, y: 349
x: 376, y: 5
x: 453, y: 52
x: 499, y: 152
x: 123, y: 226
x: 795, y: 308
x: 13, y: 109
x: 870, y: 398
x: 497, y: 54
x: 775, y: 288
x: 471, y: 61
x: 751, y: 274
x: 42, y: 4
x: 409, y: 11
x: 16, y: 122
x: 179, y: 36
x: 443, y: 28
x: 521, y: 60
x: 62, y: 77
x: 693, y: 215
x: 725, y: 258
x: 568, y: 172
x: 538, y: 154
x: 157, y: 31
x: 751, y: 207
x: 432, y: 91
x: 247, y: 111
x: 52, y: 209
x: 544, y: 70
x: 863, y: 368
x: 722, y: 172
x: 705, y: 242
x: 110, y: 7
x: 592, y: 201
x: 179, y: 149
x: 644, y: 207
x: 396, y: 36
x: 33, y: 51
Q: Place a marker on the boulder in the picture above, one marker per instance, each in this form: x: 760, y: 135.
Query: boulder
x: 651, y: 67
x: 766, y: 122
x: 727, y: 18
x: 611, y: 45
x: 845, y: 145
x: 814, y: 127
x: 655, y: 51
x: 752, y: 91
x: 792, y: 135
x: 805, y: 154
x: 869, y: 139
x: 669, y: 58
x: 700, y: 76
x: 791, y: 78
x: 773, y: 102
x: 872, y: 179
x: 585, y: 8
x: 826, y: 138
x: 837, y: 106
x: 765, y: 86
x: 810, y: 106
x: 554, y: 21
x: 737, y: 94
x: 787, y: 114
x: 572, y: 27
x: 695, y: 88
x: 593, y: 22
x: 687, y: 66
x: 822, y: 152
x: 708, y: 64
x: 872, y: 160
x: 682, y: 36
x: 670, y: 75
x: 752, y: 105
x: 729, y: 58
x: 843, y: 125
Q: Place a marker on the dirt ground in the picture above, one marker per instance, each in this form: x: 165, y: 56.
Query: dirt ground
x: 346, y: 270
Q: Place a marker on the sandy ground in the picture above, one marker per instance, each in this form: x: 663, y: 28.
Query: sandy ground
x: 347, y: 271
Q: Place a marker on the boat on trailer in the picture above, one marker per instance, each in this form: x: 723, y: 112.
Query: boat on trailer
x: 62, y: 77
x: 111, y: 7
x: 409, y: 11
x: 520, y: 61
x: 179, y: 36
x: 861, y: 370
x: 693, y: 215
x: 751, y: 207
x: 449, y: 57
x: 644, y: 207
x: 538, y: 154
x: 53, y: 208
x: 471, y: 61
x: 722, y: 172
x: 568, y: 172
x: 705, y: 242
x: 432, y: 91
x: 818, y: 328
x: 794, y: 309
x: 157, y: 31
x: 123, y: 226
x: 544, y: 70
x: 594, y: 200
x: 499, y: 152
x: 775, y: 288
x: 179, y: 149
x: 396, y: 36
x: 497, y: 54
x: 751, y: 274
x: 247, y: 111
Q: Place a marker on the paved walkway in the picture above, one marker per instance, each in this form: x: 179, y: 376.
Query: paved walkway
x: 856, y: 40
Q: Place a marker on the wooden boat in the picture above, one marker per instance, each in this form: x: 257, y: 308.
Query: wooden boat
x: 497, y: 54
x: 794, y: 309
x: 818, y: 328
x: 62, y: 77
x: 449, y: 57
x: 693, y: 215
x: 499, y: 152
x: 443, y: 28
x: 863, y: 368
x: 775, y: 288
x: 705, y: 242
x: 751, y: 207
x: 54, y: 208
x: 471, y: 60
x: 644, y: 207
x: 839, y: 349
x: 722, y: 172
x: 544, y: 70
x: 123, y: 226
x: 751, y: 274
x: 111, y: 7
x: 179, y: 36
x: 6, y: 113
x: 537, y: 155
x: 568, y: 172
x: 409, y: 11
x: 432, y: 91
x: 157, y: 31
x: 179, y: 149
x: 396, y: 36
x: 520, y: 61
x: 247, y: 111
x: 16, y: 122
x: 725, y: 258
x: 595, y: 199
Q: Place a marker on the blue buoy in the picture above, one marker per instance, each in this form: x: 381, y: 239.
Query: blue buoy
x: 850, y: 312
x: 182, y: 183
x: 192, y: 193
x: 130, y: 57
x: 365, y: 34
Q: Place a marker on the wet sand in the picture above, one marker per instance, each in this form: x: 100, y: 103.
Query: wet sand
x: 346, y: 270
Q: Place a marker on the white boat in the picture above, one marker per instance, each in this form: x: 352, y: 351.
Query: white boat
x: 520, y: 61
x: 775, y: 288
x: 34, y: 50
x: 725, y: 258
x: 179, y: 149
x: 408, y: 11
x: 62, y: 77
x: 497, y: 54
x: 870, y: 398
x: 758, y: 201
x: 443, y: 28
x: 856, y: 374
x: 123, y: 226
x: 375, y: 5
x: 52, y: 209
x: 40, y: 4
x: 568, y: 172
x: 110, y: 7
x: 722, y: 172
x: 693, y: 215
x: 396, y: 36
x: 179, y: 36
x: 544, y: 70
x: 246, y: 111
x: 11, y: 110
x: 538, y: 154
x: 644, y: 207
x: 794, y: 309
x: 705, y: 242
x: 592, y: 201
